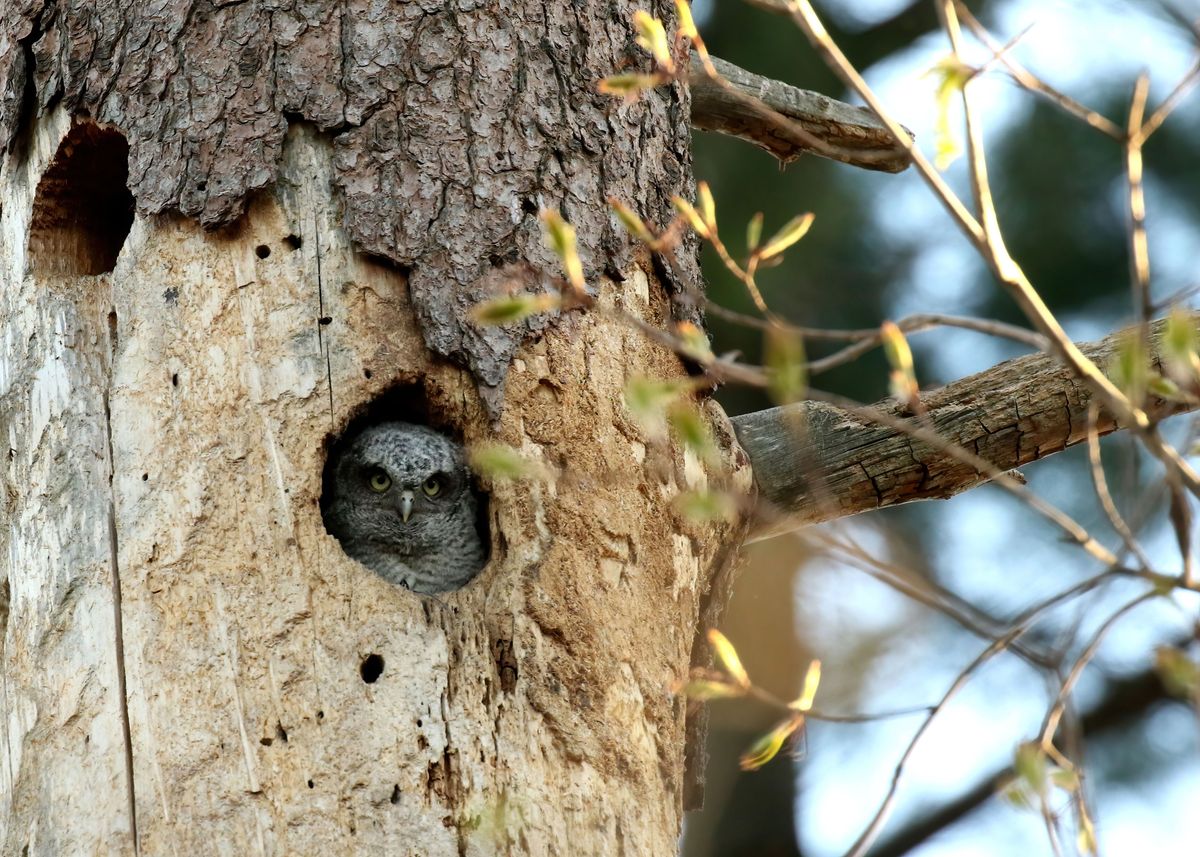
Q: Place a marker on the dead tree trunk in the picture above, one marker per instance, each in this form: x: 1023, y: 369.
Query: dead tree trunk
x: 191, y: 664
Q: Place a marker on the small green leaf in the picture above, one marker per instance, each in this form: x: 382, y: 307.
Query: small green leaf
x: 727, y: 657
x: 789, y: 234
x: 687, y: 25
x: 690, y: 215
x: 1068, y: 781
x: 1130, y: 368
x: 630, y: 221
x: 952, y: 76
x: 708, y: 206
x: 501, y: 462
x: 767, y: 747
x: 649, y: 398
x: 628, y: 86
x: 1016, y: 796
x: 1165, y: 388
x: 1179, y: 348
x: 513, y: 308
x: 704, y: 506
x: 787, y: 369
x: 1030, y: 765
x: 560, y: 237
x: 754, y: 232
x: 692, y: 431
x: 693, y: 342
x: 652, y: 36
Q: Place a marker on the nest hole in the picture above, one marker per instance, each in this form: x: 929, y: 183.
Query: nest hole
x: 401, y: 403
x: 83, y: 210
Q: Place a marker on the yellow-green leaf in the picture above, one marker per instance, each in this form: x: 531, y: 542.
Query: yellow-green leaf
x: 1179, y: 348
x: 787, y: 369
x: 652, y: 36
x: 560, y: 237
x: 1164, y: 388
x: 687, y: 25
x: 708, y: 206
x: 628, y: 85
x: 693, y: 342
x: 812, y: 678
x: 1130, y: 368
x: 630, y: 221
x: 1016, y: 796
x: 727, y: 657
x: 691, y: 215
x: 513, y: 308
x: 895, y: 348
x: 1030, y: 765
x: 649, y: 398
x: 767, y: 747
x: 1068, y: 781
x: 789, y: 234
x: 952, y: 76
x: 692, y: 431
x: 704, y: 506
x: 754, y: 232
x: 705, y: 689
x: 501, y: 462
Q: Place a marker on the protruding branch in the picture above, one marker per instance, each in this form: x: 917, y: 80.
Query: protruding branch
x: 815, y: 462
x: 787, y: 121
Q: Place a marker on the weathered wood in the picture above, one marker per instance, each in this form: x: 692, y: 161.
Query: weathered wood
x: 526, y: 713
x: 788, y: 121
x: 453, y: 125
x: 815, y: 462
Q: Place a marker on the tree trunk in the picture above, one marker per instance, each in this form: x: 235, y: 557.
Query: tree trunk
x: 191, y: 664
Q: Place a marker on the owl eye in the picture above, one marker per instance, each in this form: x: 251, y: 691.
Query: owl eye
x: 379, y: 481
x: 432, y: 487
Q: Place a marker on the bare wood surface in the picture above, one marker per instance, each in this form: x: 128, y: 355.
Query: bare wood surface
x: 814, y: 462
x: 788, y: 121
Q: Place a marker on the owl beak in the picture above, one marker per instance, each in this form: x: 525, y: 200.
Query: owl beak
x: 406, y: 505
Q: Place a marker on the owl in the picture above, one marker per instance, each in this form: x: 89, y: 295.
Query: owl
x: 400, y: 501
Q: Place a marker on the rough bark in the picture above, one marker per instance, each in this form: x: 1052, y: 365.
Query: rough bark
x: 452, y: 123
x: 815, y: 462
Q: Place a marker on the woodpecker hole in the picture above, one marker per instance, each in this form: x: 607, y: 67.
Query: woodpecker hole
x: 371, y: 668
x: 82, y: 211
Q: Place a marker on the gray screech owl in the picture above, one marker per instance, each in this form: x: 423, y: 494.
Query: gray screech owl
x: 400, y: 501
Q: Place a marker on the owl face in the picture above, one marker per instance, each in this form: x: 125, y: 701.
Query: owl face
x: 403, y: 483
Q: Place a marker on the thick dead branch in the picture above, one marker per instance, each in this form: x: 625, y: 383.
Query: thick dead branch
x: 815, y: 462
x: 787, y: 121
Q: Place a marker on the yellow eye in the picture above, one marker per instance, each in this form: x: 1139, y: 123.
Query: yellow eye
x: 379, y: 481
x: 432, y: 487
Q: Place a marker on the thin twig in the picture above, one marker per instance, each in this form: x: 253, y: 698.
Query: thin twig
x: 1139, y: 248
x: 1035, y: 84
x: 1102, y: 492
x: 1050, y: 725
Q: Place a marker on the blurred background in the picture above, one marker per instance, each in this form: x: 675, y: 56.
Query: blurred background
x: 881, y: 247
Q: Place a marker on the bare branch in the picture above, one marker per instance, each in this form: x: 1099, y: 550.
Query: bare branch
x: 788, y: 121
